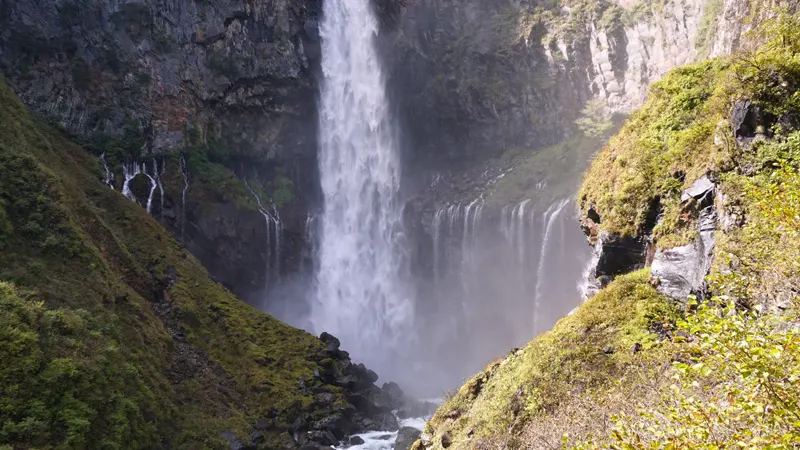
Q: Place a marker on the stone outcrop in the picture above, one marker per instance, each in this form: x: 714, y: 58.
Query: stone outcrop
x: 406, y: 437
x: 681, y: 271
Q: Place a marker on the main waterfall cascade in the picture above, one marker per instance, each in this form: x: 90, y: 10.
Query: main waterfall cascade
x: 361, y: 295
x: 490, y: 279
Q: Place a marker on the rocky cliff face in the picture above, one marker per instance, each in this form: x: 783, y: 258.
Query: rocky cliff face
x: 475, y: 78
x: 156, y: 69
x: 227, y: 84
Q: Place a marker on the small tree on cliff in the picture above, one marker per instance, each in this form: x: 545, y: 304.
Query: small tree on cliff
x: 594, y: 120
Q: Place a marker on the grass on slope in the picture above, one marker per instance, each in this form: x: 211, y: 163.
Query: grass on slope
x: 111, y: 335
x: 584, y: 354
x: 683, y: 132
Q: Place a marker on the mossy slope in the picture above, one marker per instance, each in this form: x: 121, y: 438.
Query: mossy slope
x: 584, y: 353
x: 114, y: 336
x: 576, y: 378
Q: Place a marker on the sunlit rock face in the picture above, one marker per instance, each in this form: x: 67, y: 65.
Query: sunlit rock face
x: 474, y: 78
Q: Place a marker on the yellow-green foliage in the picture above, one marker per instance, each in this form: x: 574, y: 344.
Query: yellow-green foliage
x: 682, y: 132
x: 760, y: 263
x: 111, y: 335
x: 559, y: 166
x: 670, y: 138
x: 740, y: 388
x: 567, y: 361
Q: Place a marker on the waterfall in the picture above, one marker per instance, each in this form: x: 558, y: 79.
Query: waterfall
x: 497, y: 278
x: 153, y: 184
x: 360, y: 291
x: 549, y: 218
x: 274, y: 230
x: 109, y: 176
x: 129, y: 171
x: 185, y: 173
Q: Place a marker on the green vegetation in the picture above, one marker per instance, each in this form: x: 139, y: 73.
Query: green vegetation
x: 559, y: 166
x: 207, y: 155
x: 682, y: 133
x: 111, y: 335
x: 708, y: 23
x: 739, y: 389
x: 594, y: 121
x: 581, y: 357
x: 722, y: 374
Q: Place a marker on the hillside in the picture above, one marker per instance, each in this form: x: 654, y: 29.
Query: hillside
x: 113, y: 336
x: 702, y: 180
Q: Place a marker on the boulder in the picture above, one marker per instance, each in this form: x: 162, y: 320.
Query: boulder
x: 337, y: 424
x: 323, y: 437
x: 332, y: 344
x: 356, y: 440
x: 446, y: 440
x: 395, y: 394
x: 699, y: 190
x: 614, y: 255
x: 406, y: 438
x: 681, y: 271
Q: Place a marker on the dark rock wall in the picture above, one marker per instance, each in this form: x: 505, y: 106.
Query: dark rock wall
x: 230, y: 84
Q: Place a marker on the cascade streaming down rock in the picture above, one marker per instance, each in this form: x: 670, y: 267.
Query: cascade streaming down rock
x: 274, y: 231
x: 498, y: 278
x: 360, y: 294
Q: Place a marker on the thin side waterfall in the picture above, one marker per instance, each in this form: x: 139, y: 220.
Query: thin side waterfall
x: 109, y: 176
x: 361, y: 295
x: 274, y: 229
x: 551, y: 216
x: 153, y: 184
x: 496, y: 278
x: 129, y: 171
x: 185, y: 173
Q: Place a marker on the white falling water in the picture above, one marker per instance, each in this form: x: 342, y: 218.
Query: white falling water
x: 160, y: 184
x: 360, y: 294
x: 129, y: 171
x: 185, y: 173
x: 274, y: 230
x: 109, y: 176
x: 551, y: 216
x: 153, y: 184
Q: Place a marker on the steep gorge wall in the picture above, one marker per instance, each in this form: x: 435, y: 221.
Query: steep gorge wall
x: 229, y: 85
x: 475, y: 78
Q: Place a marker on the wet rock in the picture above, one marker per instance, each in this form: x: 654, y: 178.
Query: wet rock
x: 355, y: 440
x: 699, y: 190
x: 235, y: 444
x: 332, y: 344
x: 615, y: 255
x: 323, y: 437
x: 396, y: 395
x: 406, y: 438
x: 681, y: 271
x: 337, y: 424
x: 312, y: 446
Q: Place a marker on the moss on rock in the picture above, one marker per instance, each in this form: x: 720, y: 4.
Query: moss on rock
x: 113, y: 335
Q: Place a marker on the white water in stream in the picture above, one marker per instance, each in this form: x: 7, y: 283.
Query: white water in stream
x: 360, y: 293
